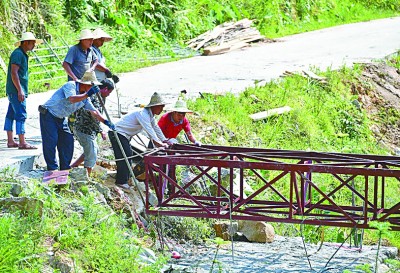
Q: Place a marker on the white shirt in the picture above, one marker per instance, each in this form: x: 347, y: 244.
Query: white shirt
x: 134, y: 122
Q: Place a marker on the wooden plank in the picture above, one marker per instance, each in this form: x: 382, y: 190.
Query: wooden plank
x: 313, y: 76
x: 56, y: 177
x: 269, y: 113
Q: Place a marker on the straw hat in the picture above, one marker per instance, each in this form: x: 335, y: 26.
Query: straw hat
x: 89, y: 78
x: 85, y: 34
x: 180, y: 106
x: 155, y: 100
x: 98, y: 33
x: 28, y: 36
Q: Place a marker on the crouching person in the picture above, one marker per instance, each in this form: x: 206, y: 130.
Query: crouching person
x: 129, y: 126
x: 87, y: 127
x: 54, y: 127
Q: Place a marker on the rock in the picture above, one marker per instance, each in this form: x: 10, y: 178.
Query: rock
x: 147, y: 256
x: 105, y: 191
x: 225, y: 230
x: 239, y: 237
x: 99, y: 172
x: 27, y: 205
x: 16, y: 190
x: 78, y: 174
x: 256, y: 231
x: 61, y: 262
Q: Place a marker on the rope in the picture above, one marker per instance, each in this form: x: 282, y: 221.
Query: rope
x: 122, y: 150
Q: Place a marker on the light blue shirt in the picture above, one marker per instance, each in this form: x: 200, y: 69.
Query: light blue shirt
x: 60, y: 106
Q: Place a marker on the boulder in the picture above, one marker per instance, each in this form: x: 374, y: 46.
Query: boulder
x: 225, y: 229
x: 25, y: 204
x: 256, y: 231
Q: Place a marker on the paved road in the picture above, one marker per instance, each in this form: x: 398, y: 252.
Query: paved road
x: 236, y: 70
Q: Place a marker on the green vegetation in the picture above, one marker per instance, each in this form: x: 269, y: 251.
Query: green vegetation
x: 324, y: 117
x: 79, y: 230
x: 146, y: 30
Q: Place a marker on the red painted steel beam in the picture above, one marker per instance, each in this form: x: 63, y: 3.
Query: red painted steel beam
x: 294, y: 186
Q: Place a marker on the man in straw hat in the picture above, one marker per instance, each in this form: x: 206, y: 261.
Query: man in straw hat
x: 173, y: 122
x: 101, y: 70
x: 80, y: 57
x: 129, y: 126
x: 17, y: 90
x: 54, y: 125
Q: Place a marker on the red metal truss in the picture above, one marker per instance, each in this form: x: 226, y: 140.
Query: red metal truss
x: 331, y: 189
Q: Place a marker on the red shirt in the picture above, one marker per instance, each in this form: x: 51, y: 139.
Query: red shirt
x: 171, y: 129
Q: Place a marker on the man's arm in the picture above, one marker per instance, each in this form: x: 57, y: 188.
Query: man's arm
x: 94, y: 65
x: 191, y: 136
x: 78, y: 98
x: 16, y: 82
x: 68, y: 69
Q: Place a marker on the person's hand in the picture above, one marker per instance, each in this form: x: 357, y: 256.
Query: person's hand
x: 171, y: 141
x: 93, y: 90
x: 109, y: 124
x: 21, y: 96
x: 197, y: 143
x: 115, y: 78
x: 164, y: 145
x: 108, y: 73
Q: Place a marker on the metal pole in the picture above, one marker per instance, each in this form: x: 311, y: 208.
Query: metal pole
x: 122, y: 150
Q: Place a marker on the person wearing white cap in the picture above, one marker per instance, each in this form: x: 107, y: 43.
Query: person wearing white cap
x: 173, y: 122
x: 129, y: 126
x: 101, y: 70
x: 17, y: 90
x: 53, y: 122
x: 80, y: 57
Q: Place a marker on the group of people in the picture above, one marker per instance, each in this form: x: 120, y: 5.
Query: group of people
x: 90, y: 81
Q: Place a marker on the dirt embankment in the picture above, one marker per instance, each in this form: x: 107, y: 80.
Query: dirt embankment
x: 380, y: 97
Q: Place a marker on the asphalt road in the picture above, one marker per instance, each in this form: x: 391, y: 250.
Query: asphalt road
x: 234, y: 71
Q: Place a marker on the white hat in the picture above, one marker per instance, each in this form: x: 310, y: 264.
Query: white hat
x: 89, y: 78
x: 180, y: 106
x: 98, y: 33
x: 155, y: 100
x: 85, y: 34
x: 28, y: 36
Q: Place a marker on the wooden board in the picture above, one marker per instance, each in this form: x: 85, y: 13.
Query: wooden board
x: 269, y: 113
x: 56, y: 177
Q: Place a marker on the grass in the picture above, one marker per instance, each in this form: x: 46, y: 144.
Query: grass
x: 76, y: 228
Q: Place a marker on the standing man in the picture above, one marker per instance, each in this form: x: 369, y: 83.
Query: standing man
x: 87, y: 127
x: 17, y: 91
x: 129, y: 126
x: 173, y: 122
x: 80, y: 57
x: 54, y: 125
x: 102, y: 71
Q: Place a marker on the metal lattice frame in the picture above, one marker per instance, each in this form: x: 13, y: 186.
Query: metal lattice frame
x: 332, y: 189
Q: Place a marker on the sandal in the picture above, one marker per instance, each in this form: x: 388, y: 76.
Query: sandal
x: 13, y: 145
x: 27, y: 147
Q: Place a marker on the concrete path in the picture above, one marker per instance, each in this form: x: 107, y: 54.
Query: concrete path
x: 231, y: 72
